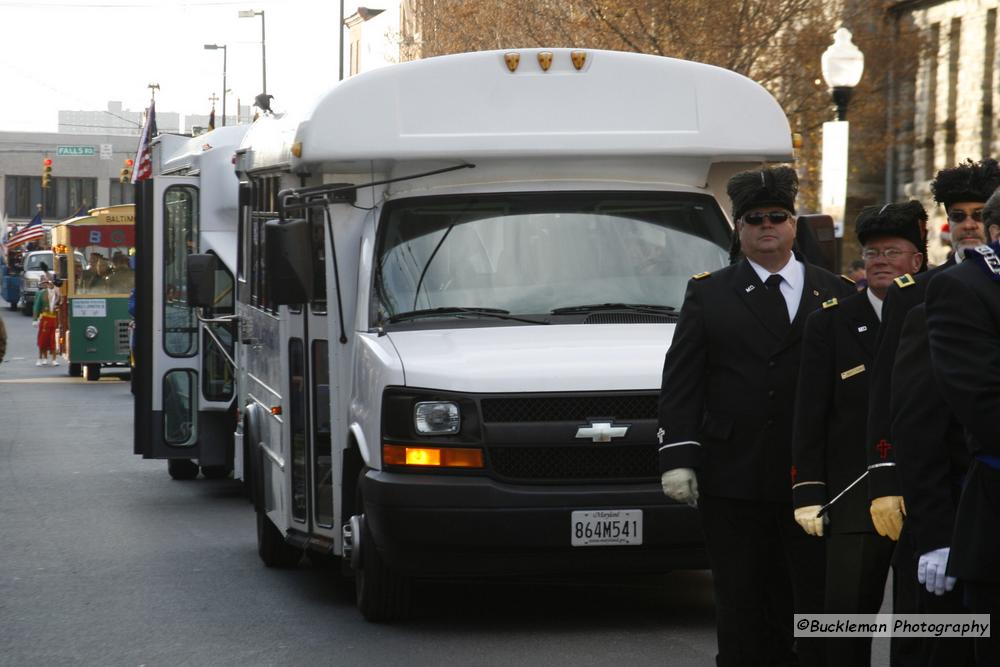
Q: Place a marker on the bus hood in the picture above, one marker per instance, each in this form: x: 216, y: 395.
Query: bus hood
x: 578, y: 357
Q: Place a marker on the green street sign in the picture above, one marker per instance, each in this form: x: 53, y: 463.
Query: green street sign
x: 76, y: 151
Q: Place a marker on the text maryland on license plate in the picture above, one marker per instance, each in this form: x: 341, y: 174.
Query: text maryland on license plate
x: 597, y: 528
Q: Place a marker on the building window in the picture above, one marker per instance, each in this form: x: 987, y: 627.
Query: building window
x: 65, y: 198
x: 930, y: 126
x: 951, y: 124
x: 121, y: 193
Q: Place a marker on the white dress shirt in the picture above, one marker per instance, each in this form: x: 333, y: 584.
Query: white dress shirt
x: 793, y: 281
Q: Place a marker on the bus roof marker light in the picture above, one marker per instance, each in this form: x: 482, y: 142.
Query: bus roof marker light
x: 579, y: 59
x: 276, y: 410
x: 545, y: 60
x: 297, y: 149
x: 513, y: 60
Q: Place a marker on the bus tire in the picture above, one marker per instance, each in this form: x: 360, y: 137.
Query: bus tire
x: 382, y: 594
x: 182, y: 469
x: 74, y: 369
x: 216, y: 472
x: 92, y: 372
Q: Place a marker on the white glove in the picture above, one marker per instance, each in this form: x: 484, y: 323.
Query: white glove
x: 34, y: 323
x: 812, y: 524
x: 931, y: 570
x: 681, y: 484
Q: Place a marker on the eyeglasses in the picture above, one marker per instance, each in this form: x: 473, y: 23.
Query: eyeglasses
x: 890, y: 254
x: 958, y: 215
x: 776, y: 218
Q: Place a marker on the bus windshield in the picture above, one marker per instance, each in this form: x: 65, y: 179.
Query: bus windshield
x: 108, y: 271
x: 536, y: 253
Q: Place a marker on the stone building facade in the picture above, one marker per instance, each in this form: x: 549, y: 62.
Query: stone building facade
x: 947, y: 114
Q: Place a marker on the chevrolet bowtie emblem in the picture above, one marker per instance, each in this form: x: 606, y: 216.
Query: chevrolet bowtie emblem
x: 602, y: 431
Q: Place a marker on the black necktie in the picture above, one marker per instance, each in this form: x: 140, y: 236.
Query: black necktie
x: 776, y: 299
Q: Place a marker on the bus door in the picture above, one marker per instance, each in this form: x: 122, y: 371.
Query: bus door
x: 167, y: 330
x: 312, y: 469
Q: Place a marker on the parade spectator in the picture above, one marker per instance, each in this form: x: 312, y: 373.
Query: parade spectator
x: 725, y: 418
x: 828, y: 443
x: 856, y: 272
x: 3, y: 339
x: 45, y: 313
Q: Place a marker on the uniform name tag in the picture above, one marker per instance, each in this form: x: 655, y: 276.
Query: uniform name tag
x: 852, y: 372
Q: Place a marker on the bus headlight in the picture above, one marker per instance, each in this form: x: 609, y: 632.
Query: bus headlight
x: 436, y: 418
x: 90, y: 333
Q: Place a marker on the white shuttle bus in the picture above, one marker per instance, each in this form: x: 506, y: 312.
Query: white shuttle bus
x: 184, y: 379
x: 457, y: 280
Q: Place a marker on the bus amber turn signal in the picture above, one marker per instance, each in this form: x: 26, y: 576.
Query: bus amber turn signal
x: 436, y: 457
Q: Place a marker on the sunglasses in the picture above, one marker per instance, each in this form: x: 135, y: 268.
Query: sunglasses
x: 958, y: 215
x: 776, y: 218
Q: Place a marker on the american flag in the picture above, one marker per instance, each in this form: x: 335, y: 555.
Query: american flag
x: 144, y: 156
x: 30, y: 232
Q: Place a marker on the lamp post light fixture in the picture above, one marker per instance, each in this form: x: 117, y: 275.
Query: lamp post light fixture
x: 842, y: 64
x: 215, y: 47
x: 249, y: 14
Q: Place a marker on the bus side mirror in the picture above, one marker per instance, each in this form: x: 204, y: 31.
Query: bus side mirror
x: 201, y: 280
x: 288, y: 258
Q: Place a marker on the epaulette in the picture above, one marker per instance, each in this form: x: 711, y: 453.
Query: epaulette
x: 831, y: 303
x: 905, y: 280
x: 847, y: 279
x: 987, y: 260
x: 701, y: 276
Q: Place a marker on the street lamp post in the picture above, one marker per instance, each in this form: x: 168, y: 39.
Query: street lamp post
x: 215, y: 47
x: 249, y: 14
x: 843, y: 64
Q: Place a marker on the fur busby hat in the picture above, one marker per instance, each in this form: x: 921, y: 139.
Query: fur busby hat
x: 899, y: 220
x: 969, y: 181
x: 774, y: 186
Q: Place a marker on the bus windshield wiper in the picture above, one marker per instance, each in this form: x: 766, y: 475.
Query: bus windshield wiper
x: 636, y: 307
x: 459, y: 312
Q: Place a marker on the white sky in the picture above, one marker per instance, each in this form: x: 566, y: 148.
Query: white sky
x: 79, y: 54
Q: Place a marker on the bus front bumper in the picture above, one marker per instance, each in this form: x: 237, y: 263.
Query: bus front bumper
x: 444, y: 525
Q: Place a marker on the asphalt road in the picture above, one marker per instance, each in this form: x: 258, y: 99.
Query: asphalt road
x: 104, y: 560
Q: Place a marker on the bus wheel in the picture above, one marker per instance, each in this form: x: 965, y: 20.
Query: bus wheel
x: 182, y: 468
x: 382, y: 594
x: 92, y: 372
x: 75, y: 370
x: 216, y: 472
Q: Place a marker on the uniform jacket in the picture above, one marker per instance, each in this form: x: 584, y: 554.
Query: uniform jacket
x: 963, y: 322
x: 931, y: 454
x: 729, y: 377
x: 907, y: 292
x: 828, y: 445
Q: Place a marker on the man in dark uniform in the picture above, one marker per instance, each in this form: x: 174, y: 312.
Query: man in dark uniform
x: 963, y: 323
x: 726, y: 419
x: 828, y: 443
x: 962, y: 190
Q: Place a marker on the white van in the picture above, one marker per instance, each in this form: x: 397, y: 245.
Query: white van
x: 457, y: 279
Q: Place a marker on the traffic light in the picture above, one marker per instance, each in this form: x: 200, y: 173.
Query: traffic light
x: 47, y: 172
x: 125, y: 176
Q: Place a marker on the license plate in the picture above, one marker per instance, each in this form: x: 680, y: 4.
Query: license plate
x: 599, y: 528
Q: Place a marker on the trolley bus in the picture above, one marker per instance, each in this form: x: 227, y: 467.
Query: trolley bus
x: 94, y: 317
x: 184, y: 380
x: 457, y: 279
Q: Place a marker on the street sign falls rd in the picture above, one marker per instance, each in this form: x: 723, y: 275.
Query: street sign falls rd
x: 76, y: 151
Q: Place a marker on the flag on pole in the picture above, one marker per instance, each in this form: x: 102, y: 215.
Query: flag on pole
x: 144, y: 156
x: 32, y: 231
x: 3, y: 235
x: 211, y: 120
